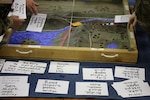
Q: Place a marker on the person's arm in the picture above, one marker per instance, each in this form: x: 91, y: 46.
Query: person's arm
x: 32, y: 6
x: 132, y: 20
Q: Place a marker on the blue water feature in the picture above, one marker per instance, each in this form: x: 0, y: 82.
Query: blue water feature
x: 43, y: 38
x: 46, y: 38
x: 112, y: 46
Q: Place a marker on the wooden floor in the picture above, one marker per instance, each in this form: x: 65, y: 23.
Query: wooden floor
x: 48, y: 99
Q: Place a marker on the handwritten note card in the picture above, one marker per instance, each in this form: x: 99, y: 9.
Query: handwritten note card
x: 11, y: 67
x: 132, y: 88
x: 37, y: 22
x: 130, y: 72
x: 97, y: 74
x: 52, y: 86
x: 92, y: 88
x: 24, y: 67
x: 34, y: 67
x: 64, y: 67
x: 2, y: 61
x: 14, y: 86
x: 122, y: 18
x: 19, y: 9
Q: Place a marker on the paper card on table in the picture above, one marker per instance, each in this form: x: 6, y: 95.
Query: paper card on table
x: 34, y: 67
x: 37, y: 22
x: 130, y: 72
x: 97, y: 74
x: 14, y: 90
x: 92, y: 88
x: 64, y: 67
x: 122, y: 18
x: 132, y: 88
x: 11, y: 67
x: 14, y: 86
x: 19, y: 9
x: 52, y: 86
x: 2, y: 61
x: 13, y: 79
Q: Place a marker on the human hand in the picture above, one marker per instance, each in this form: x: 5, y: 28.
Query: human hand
x: 132, y: 20
x: 17, y: 23
x: 32, y: 6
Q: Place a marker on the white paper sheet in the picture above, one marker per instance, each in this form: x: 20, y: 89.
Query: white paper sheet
x: 24, y: 67
x: 132, y: 88
x: 52, y: 86
x: 97, y: 74
x: 92, y: 88
x: 37, y: 22
x: 122, y: 18
x: 14, y: 90
x: 64, y: 67
x: 14, y: 86
x: 130, y: 72
x: 34, y: 67
x: 11, y: 67
x: 19, y: 9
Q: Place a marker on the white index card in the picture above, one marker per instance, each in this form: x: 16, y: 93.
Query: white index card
x: 34, y: 67
x: 92, y: 88
x: 122, y: 18
x: 52, y: 86
x: 2, y: 61
x: 14, y: 86
x: 19, y: 9
x: 97, y: 74
x: 11, y: 67
x: 132, y: 88
x: 37, y: 22
x: 130, y: 72
x: 14, y: 90
x: 64, y: 67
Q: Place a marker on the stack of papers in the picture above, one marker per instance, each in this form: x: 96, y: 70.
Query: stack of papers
x: 14, y: 86
x: 132, y: 88
x: 24, y: 67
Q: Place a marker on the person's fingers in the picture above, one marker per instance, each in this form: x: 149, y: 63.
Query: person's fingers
x: 128, y: 25
x: 31, y: 9
x: 22, y: 20
x: 37, y: 4
x: 35, y: 10
x: 129, y: 22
